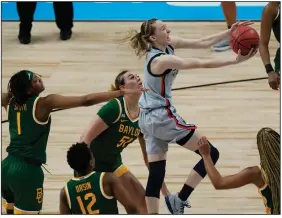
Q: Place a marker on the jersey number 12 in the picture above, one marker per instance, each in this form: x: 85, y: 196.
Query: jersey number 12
x: 89, y: 206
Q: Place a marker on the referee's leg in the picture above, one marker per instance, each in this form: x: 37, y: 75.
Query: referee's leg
x: 25, y: 11
x: 64, y: 18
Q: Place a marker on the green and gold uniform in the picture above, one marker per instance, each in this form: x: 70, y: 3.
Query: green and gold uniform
x: 22, y: 176
x: 276, y: 31
x: 85, y: 195
x: 266, y: 195
x: 123, y: 130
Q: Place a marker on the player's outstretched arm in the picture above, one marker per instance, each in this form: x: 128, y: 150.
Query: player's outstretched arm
x: 142, y: 143
x: 113, y: 187
x: 164, y: 62
x: 55, y: 101
x: 207, y: 41
x: 268, y: 16
x: 64, y: 207
x: 246, y: 176
x: 106, y: 116
x: 96, y: 127
x: 5, y: 100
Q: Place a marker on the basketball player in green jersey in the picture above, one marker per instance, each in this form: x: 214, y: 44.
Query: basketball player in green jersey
x: 114, y: 127
x: 29, y: 127
x: 92, y: 192
x: 270, y: 20
x: 266, y: 176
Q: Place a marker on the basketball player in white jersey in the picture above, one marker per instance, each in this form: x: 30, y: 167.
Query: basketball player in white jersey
x: 158, y: 120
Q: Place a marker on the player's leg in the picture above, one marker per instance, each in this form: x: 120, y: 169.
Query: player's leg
x: 196, y: 175
x: 64, y: 18
x: 178, y: 131
x: 7, y: 194
x: 229, y: 11
x: 132, y: 185
x: 26, y: 181
x: 190, y: 141
x: 156, y: 150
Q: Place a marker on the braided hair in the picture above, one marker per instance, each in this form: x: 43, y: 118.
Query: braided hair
x: 18, y: 86
x: 268, y: 142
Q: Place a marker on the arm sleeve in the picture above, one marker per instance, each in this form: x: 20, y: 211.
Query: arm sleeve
x: 110, y: 112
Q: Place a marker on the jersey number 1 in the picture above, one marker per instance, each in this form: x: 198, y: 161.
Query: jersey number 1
x: 89, y: 206
x: 19, y: 123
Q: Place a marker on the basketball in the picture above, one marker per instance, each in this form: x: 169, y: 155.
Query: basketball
x: 244, y: 38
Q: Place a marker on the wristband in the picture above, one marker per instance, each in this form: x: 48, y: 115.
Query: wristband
x: 268, y: 68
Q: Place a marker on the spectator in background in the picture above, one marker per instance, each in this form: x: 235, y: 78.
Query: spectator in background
x: 229, y: 11
x: 63, y: 14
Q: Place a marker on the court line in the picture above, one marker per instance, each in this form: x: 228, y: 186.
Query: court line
x: 192, y: 87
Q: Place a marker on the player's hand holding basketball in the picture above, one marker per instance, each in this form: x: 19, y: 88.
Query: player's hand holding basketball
x: 238, y: 23
x: 204, y: 146
x: 241, y: 58
x: 273, y: 80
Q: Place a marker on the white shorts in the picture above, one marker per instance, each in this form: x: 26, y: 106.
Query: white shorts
x: 162, y: 126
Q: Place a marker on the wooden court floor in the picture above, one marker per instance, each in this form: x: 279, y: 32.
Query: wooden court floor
x: 230, y: 115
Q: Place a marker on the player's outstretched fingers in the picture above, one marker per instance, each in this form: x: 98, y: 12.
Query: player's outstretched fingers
x: 246, y: 23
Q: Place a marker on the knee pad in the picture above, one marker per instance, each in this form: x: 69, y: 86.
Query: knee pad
x: 156, y: 178
x: 214, y: 154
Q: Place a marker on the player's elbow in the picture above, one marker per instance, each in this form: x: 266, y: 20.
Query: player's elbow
x: 219, y: 184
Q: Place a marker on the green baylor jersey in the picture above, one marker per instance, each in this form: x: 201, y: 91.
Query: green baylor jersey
x: 85, y: 195
x: 28, y: 136
x: 122, y: 131
x: 266, y: 195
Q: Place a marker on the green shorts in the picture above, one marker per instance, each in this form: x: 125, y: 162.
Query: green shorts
x: 277, y: 62
x: 116, y: 167
x: 22, y: 185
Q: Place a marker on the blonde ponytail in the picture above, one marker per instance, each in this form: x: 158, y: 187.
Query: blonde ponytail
x: 140, y: 41
x: 137, y: 42
x: 113, y: 88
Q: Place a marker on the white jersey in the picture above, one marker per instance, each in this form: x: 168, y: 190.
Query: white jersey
x: 160, y: 85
